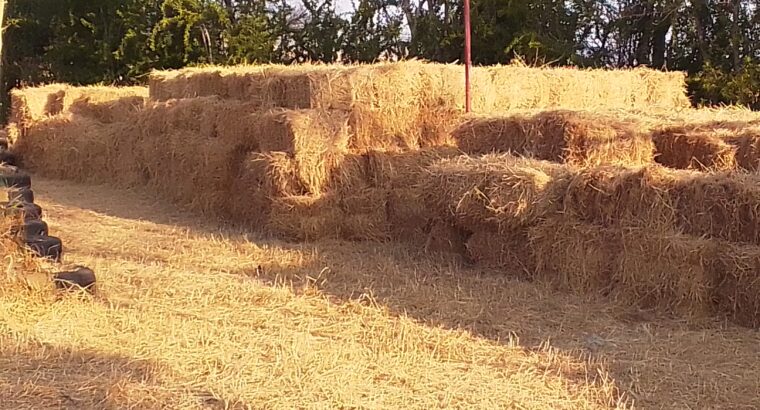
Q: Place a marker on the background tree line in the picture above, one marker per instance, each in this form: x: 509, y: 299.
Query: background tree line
x: 118, y: 41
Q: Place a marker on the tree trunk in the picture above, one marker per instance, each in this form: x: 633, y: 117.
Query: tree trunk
x: 4, y: 100
x: 735, y: 36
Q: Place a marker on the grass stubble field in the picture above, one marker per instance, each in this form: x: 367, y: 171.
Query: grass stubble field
x: 192, y: 313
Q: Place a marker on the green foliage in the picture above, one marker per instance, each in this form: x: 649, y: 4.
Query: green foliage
x: 120, y: 41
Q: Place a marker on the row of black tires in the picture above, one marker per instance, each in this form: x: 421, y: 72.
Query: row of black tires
x: 33, y: 232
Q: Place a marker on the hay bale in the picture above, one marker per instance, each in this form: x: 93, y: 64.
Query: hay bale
x: 317, y: 141
x: 614, y: 196
x: 408, y: 215
x: 305, y: 218
x: 721, y: 205
x: 576, y: 138
x: 445, y: 238
x: 106, y: 104
x: 402, y: 169
x: 495, y: 192
x: 747, y: 146
x: 668, y: 270
x: 510, y: 252
x: 677, y: 148
x: 738, y: 293
x: 365, y: 215
x: 576, y: 256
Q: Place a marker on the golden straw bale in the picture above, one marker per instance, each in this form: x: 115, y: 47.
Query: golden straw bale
x: 574, y: 255
x: 738, y: 293
x: 484, y: 135
x: 669, y: 270
x: 317, y: 140
x: 274, y: 172
x: 508, y: 251
x: 348, y: 174
x: 402, y: 169
x: 572, y: 137
x: 614, y: 195
x: 584, y: 139
x: 677, y: 148
x: 305, y: 217
x: 494, y: 191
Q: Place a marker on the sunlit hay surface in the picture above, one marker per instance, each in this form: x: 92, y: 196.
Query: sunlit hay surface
x: 191, y: 316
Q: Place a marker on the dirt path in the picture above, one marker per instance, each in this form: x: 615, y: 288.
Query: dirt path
x: 190, y: 316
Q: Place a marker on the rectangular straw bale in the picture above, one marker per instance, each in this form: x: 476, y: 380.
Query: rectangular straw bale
x: 445, y: 238
x: 668, y: 270
x: 722, y: 205
x: 521, y: 87
x: 402, y: 169
x: 364, y: 214
x: 738, y: 293
x: 676, y: 147
x: 614, y: 196
x: 317, y: 140
x: 497, y: 192
x: 407, y: 214
x: 576, y: 256
x: 72, y: 147
x: 747, y: 145
x: 305, y: 217
x: 507, y: 251
x: 106, y: 104
x: 572, y: 137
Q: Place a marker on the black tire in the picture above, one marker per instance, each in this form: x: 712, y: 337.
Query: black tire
x: 79, y: 278
x: 12, y: 177
x: 7, y: 157
x: 48, y: 247
x: 21, y: 195
x: 27, y: 210
x: 30, y: 229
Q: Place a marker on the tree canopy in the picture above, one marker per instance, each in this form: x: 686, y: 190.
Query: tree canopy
x: 119, y: 41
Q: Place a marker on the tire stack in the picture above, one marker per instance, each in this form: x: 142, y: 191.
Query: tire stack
x: 32, y: 232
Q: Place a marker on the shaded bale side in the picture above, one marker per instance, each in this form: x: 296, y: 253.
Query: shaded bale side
x: 722, y: 205
x: 510, y: 252
x: 445, y: 238
x: 738, y: 292
x: 669, y: 270
x: 747, y: 146
x: 402, y: 169
x: 305, y: 218
x: 614, y: 195
x: 576, y: 256
x: 572, y: 137
x: 494, y: 192
x: 408, y: 215
x: 364, y: 215
x: 676, y: 148
x: 78, y: 148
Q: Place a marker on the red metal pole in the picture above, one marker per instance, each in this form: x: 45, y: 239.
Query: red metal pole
x: 467, y: 60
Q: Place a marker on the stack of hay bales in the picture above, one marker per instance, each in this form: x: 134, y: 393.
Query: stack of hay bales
x: 315, y: 150
x: 681, y: 240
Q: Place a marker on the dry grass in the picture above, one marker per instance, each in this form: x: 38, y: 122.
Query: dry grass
x: 190, y: 317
